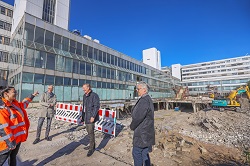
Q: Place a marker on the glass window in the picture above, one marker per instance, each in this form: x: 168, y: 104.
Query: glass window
x: 65, y: 44
x: 75, y: 82
x: 29, y: 57
x: 50, y: 61
x: 68, y: 65
x: 99, y: 84
x: 79, y: 48
x: 108, y: 58
x: 2, y: 10
x: 39, y: 35
x: 29, y: 32
x: 27, y: 89
x: 59, y: 63
x: 104, y: 72
x: 40, y: 58
x: 49, y: 10
x: 104, y: 57
x: 84, y: 50
x: 72, y: 46
x: 28, y: 77
x: 49, y: 38
x: 67, y: 81
x: 99, y: 71
x: 100, y: 55
x: 49, y: 80
x: 93, y: 84
x: 112, y: 59
x: 112, y: 74
x: 58, y: 80
x: 81, y: 82
x: 90, y: 52
x: 108, y: 73
x: 39, y: 79
x: 88, y: 69
x: 104, y: 85
x: 76, y: 66
x: 82, y: 68
x: 57, y: 41
x: 95, y: 53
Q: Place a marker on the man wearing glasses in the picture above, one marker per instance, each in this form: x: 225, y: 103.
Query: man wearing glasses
x: 48, y: 102
x: 143, y: 126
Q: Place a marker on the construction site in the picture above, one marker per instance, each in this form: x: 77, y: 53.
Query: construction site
x: 189, y: 131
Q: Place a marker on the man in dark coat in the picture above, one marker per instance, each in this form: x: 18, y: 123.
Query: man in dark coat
x: 91, y: 105
x: 143, y: 126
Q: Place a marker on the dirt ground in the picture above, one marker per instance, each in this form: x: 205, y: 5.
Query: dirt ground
x: 172, y: 147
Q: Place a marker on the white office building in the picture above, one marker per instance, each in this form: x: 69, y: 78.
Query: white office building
x: 152, y: 57
x: 225, y: 74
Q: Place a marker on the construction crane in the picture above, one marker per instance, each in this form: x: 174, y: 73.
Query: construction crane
x: 232, y: 101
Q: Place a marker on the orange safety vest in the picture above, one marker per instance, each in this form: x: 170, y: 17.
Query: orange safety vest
x: 15, y: 123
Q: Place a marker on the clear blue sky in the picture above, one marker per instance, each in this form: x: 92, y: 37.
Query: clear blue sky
x: 184, y: 31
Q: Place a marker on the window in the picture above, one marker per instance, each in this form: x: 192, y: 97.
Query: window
x: 58, y: 80
x: 82, y: 68
x: 39, y: 35
x: 27, y: 77
x: 49, y: 10
x: 67, y: 81
x: 50, y: 61
x: 49, y: 80
x: 76, y: 66
x: 88, y: 69
x: 40, y: 59
x: 68, y: 65
x: 29, y: 32
x: 57, y: 41
x: 29, y: 57
x: 49, y: 38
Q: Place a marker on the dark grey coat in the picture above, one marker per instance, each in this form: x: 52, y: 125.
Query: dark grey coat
x: 45, y: 102
x: 143, y: 122
x: 91, y: 105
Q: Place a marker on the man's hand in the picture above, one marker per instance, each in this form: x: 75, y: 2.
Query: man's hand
x: 35, y: 93
x: 92, y: 120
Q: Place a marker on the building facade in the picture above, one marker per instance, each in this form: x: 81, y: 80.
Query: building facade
x: 6, y: 14
x: 44, y: 53
x: 223, y: 75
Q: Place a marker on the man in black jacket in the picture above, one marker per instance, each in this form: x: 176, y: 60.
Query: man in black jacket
x: 143, y: 126
x: 91, y: 105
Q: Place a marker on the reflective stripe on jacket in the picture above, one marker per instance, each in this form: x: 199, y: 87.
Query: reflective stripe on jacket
x: 15, y: 117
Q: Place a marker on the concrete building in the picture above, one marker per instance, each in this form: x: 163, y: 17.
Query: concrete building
x: 6, y: 13
x: 152, y: 57
x: 44, y: 52
x: 175, y: 69
x: 225, y: 75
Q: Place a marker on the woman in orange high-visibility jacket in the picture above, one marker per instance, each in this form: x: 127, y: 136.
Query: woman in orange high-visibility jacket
x: 14, y: 124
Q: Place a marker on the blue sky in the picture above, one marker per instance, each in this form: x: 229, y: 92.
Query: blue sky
x: 184, y: 31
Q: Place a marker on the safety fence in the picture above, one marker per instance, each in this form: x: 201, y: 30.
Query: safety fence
x: 73, y: 113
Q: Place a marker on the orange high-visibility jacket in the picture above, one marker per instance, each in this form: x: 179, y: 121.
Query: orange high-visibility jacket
x: 14, y: 123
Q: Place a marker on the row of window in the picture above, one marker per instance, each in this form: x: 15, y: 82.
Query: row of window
x: 49, y: 10
x: 66, y: 81
x: 48, y: 38
x: 218, y: 83
x: 6, y: 12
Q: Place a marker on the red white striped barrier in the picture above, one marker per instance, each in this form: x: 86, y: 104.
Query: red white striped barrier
x: 69, y: 113
x: 107, y: 121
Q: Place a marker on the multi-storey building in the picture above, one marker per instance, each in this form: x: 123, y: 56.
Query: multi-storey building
x: 47, y: 53
x: 6, y: 14
x: 225, y: 75
x: 152, y: 57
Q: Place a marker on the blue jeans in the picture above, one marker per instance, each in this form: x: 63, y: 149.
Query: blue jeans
x: 141, y: 156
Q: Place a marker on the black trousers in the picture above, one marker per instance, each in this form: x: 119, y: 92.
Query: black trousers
x: 40, y: 124
x: 91, y: 133
x: 12, y: 156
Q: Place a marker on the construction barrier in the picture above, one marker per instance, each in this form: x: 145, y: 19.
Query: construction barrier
x: 107, y: 121
x: 69, y: 113
x: 73, y: 113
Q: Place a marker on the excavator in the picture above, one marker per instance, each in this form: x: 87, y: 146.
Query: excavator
x: 234, y: 100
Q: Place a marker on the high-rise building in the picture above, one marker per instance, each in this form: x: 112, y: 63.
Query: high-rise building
x: 55, y: 12
x: 43, y: 52
x: 152, y: 57
x: 6, y: 13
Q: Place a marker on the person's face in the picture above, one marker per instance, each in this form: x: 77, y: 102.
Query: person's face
x: 141, y: 91
x: 86, y: 89
x: 50, y: 89
x: 10, y: 95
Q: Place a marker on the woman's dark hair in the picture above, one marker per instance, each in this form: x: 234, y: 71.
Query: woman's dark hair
x: 6, y: 90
